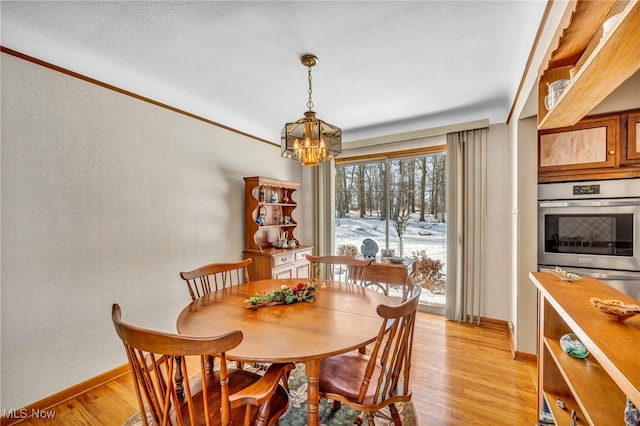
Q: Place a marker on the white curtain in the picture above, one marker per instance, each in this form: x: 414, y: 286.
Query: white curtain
x: 324, y: 199
x: 466, y: 214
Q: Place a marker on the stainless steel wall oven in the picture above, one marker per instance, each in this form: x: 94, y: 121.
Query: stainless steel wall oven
x: 592, y: 228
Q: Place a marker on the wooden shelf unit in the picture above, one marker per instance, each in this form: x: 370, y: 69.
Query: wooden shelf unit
x: 268, y: 261
x: 595, y: 387
x: 259, y: 237
x: 606, y: 61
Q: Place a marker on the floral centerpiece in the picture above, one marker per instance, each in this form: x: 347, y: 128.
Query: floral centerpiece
x: 301, y: 292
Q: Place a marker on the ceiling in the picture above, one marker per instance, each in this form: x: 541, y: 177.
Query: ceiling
x: 385, y: 67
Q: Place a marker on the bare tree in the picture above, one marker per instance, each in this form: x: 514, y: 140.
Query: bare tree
x: 401, y: 201
x: 342, y: 195
x: 423, y: 184
x: 439, y: 185
x: 361, y: 195
x: 383, y: 192
x: 412, y: 185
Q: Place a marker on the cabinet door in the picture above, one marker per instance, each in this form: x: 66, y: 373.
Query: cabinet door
x: 283, y: 272
x: 632, y: 140
x: 302, y: 269
x: 590, y: 144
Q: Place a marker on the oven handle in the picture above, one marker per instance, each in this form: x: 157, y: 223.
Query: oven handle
x: 592, y: 203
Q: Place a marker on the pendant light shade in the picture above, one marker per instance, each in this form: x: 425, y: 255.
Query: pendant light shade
x: 309, y: 139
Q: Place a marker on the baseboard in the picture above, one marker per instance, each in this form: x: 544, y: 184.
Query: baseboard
x: 516, y: 354
x: 46, y: 404
x: 525, y: 357
x: 493, y: 321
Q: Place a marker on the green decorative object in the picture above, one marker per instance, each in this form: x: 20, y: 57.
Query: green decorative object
x: 301, y: 292
x: 573, y: 346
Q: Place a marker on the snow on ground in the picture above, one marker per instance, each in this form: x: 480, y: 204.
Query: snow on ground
x: 430, y: 236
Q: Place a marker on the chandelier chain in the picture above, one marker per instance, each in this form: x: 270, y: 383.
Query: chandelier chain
x: 309, y: 102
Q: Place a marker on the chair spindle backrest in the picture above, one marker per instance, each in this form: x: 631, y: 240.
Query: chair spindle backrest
x: 346, y: 269
x: 215, y: 276
x: 211, y: 398
x: 392, y: 350
x: 152, y: 357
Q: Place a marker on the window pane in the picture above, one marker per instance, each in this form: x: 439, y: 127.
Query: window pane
x: 412, y: 224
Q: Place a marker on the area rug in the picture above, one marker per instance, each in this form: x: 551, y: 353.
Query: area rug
x: 297, y: 414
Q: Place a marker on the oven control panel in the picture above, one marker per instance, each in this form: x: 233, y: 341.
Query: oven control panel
x: 619, y: 188
x: 586, y: 189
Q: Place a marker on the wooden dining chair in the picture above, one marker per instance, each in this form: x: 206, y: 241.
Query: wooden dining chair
x: 214, y: 276
x: 346, y: 269
x: 368, y: 383
x: 222, y: 397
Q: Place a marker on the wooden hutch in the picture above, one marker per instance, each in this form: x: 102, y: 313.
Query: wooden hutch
x: 269, y: 206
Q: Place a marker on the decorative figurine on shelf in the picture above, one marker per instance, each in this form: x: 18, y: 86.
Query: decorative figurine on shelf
x: 274, y: 196
x: 631, y: 414
x: 573, y: 346
x: 261, y: 194
x: 285, y: 197
x: 262, y: 215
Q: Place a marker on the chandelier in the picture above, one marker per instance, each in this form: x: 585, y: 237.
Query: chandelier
x: 310, y: 140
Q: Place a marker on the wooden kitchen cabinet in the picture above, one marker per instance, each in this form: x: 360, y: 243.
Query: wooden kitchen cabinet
x: 273, y: 200
x: 597, y: 386
x: 569, y: 151
x: 601, y: 62
x: 279, y: 263
x: 598, y: 147
x: 631, y: 138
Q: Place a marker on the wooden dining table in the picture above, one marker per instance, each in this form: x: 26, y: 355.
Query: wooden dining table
x: 342, y: 318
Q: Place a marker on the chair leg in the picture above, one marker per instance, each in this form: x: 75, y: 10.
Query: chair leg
x: 334, y: 407
x: 209, y: 364
x: 179, y: 378
x: 395, y: 415
x: 285, y: 381
x: 370, y: 419
x: 263, y: 414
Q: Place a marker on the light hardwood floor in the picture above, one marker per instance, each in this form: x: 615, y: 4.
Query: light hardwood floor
x: 462, y: 375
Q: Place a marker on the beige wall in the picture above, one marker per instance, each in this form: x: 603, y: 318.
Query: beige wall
x: 497, y: 244
x: 105, y: 198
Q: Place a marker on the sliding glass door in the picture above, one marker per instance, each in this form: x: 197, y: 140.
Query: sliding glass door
x: 400, y: 203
